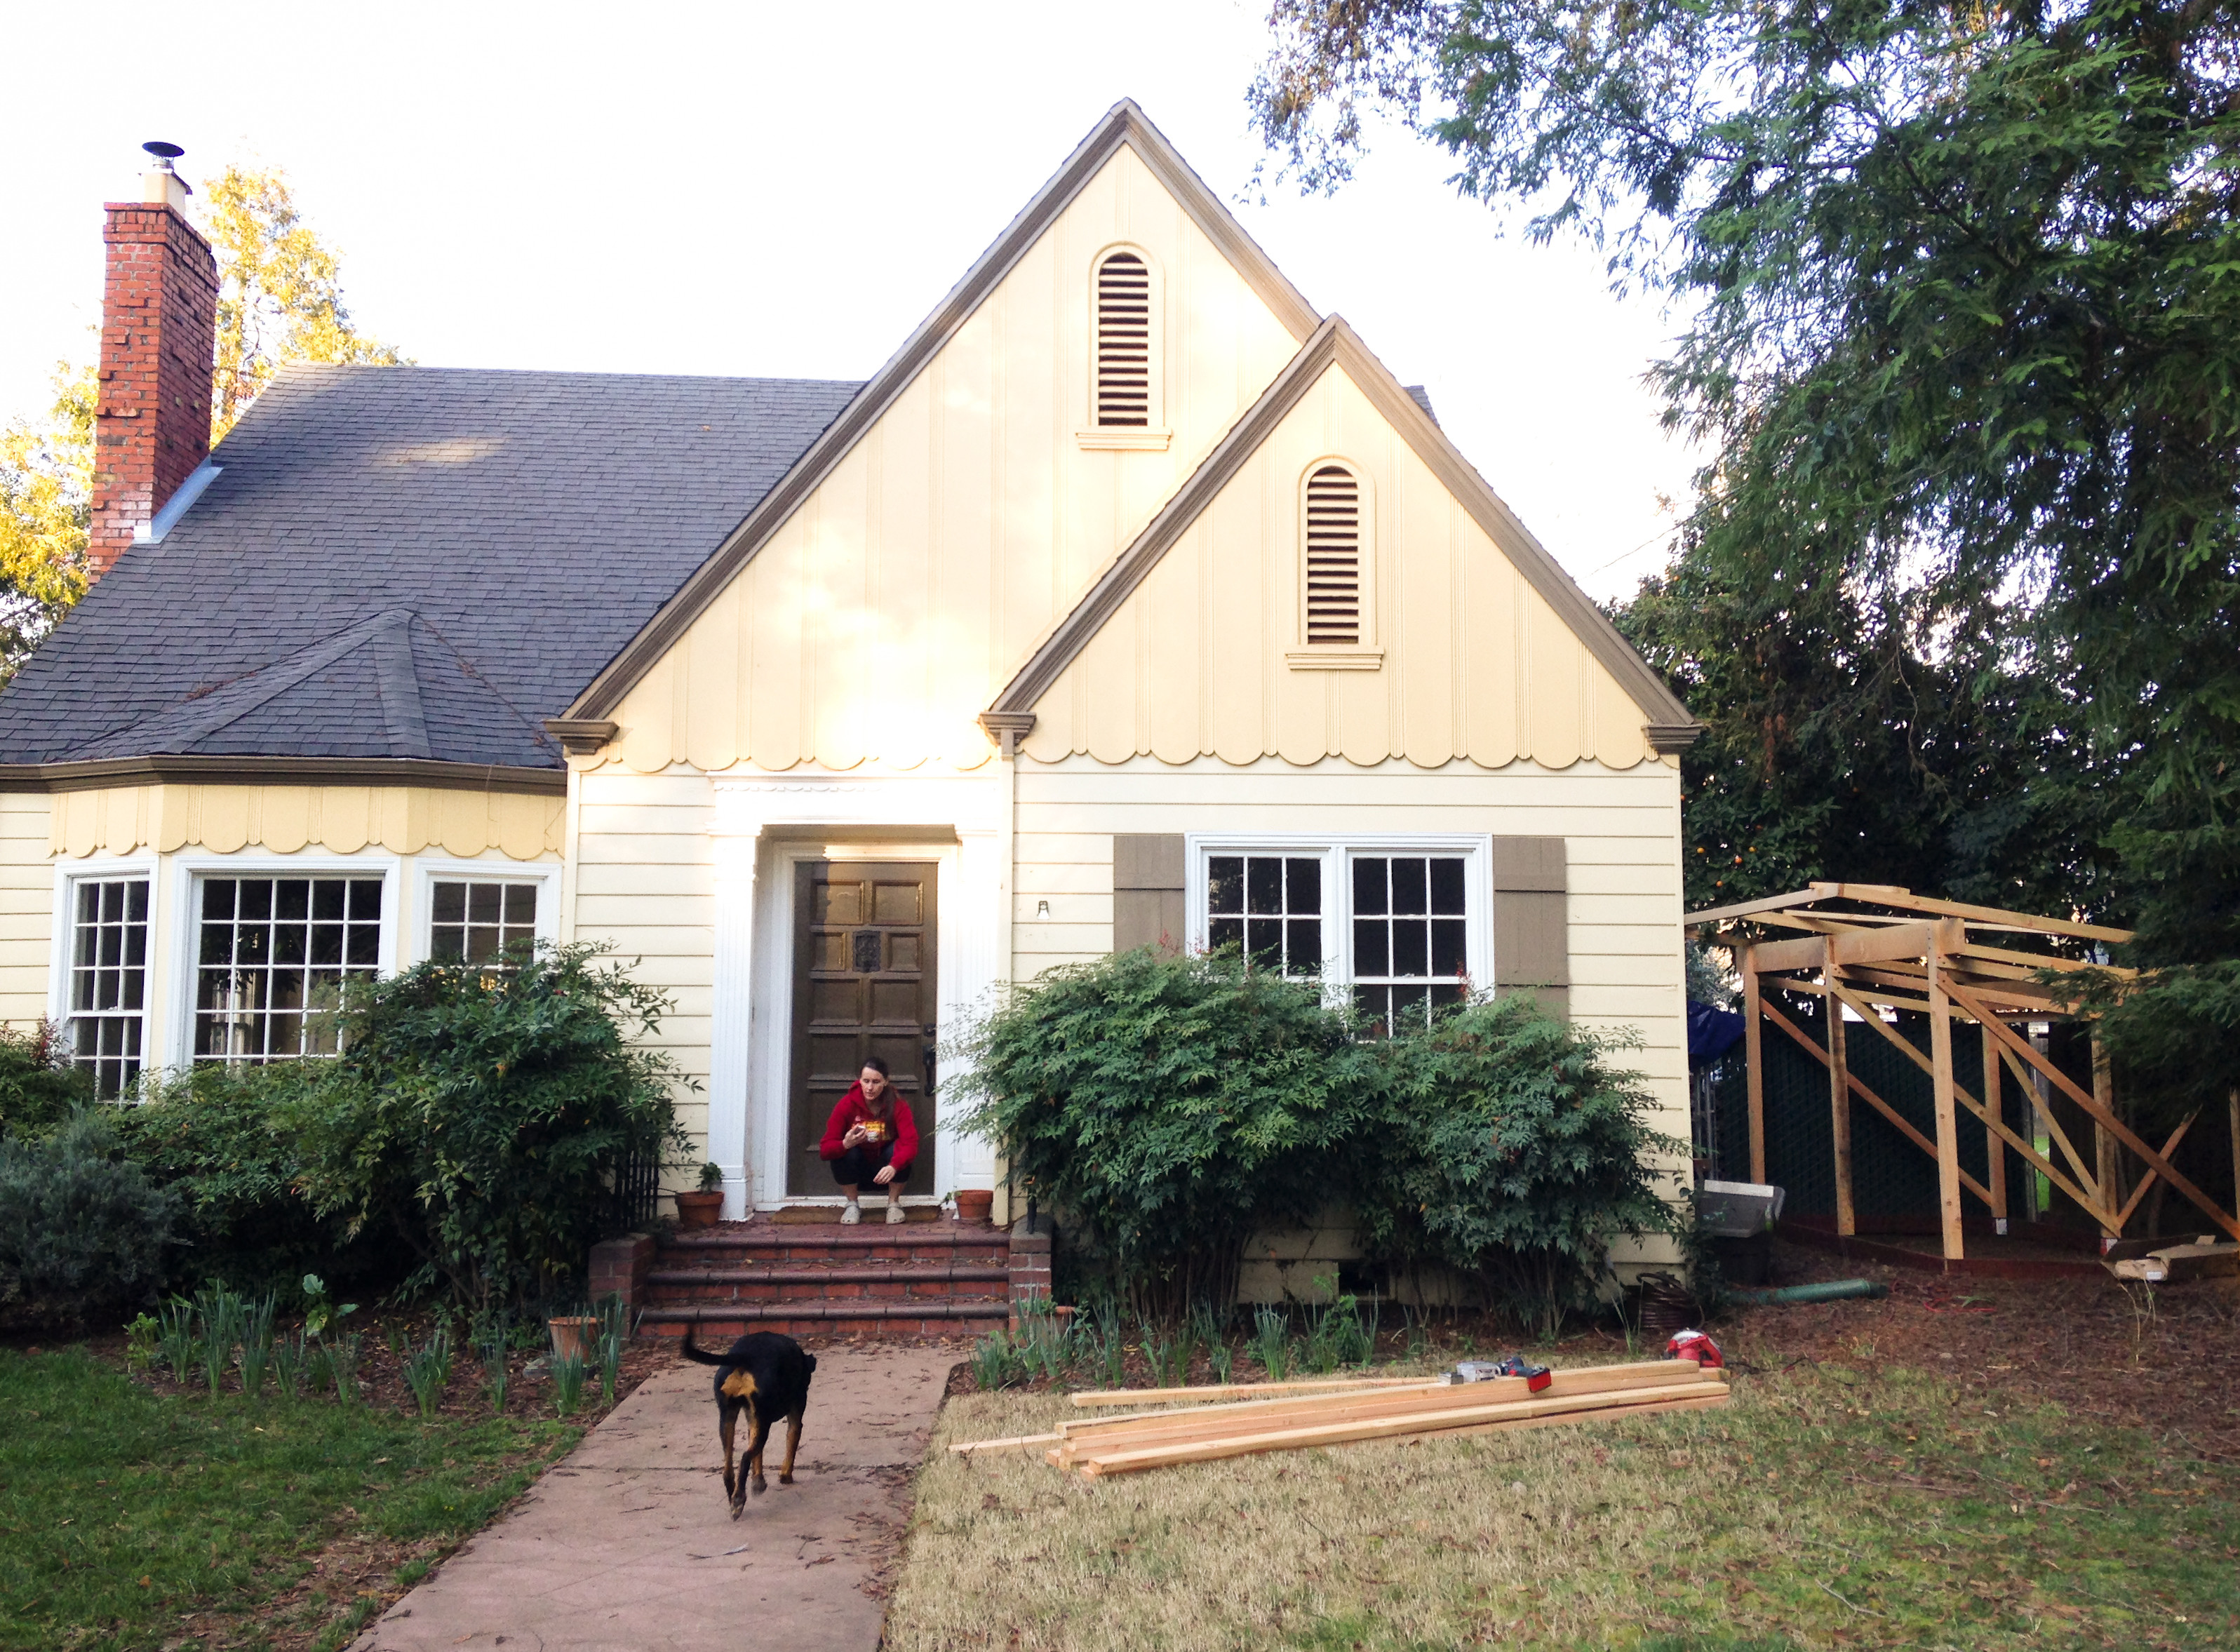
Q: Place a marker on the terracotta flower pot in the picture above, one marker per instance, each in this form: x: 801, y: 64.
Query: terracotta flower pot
x: 573, y: 1334
x: 698, y: 1209
x: 974, y: 1204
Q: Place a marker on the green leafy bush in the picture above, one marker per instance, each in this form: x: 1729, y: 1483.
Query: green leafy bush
x: 223, y: 1139
x: 1510, y: 1151
x: 38, y: 1087
x: 474, y: 1115
x: 81, y: 1232
x: 1171, y: 1106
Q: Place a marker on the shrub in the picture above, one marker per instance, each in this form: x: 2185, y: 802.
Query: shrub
x: 1510, y: 1151
x: 39, y: 1087
x: 1169, y: 1105
x: 475, y: 1113
x: 82, y: 1233
x: 222, y: 1138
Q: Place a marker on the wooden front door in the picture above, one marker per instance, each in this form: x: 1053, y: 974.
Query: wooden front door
x: 864, y: 984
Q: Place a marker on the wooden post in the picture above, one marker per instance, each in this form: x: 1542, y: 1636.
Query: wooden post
x: 1994, y: 1107
x: 1948, y: 1121
x: 1839, y: 1098
x: 1754, y: 1056
x: 2108, y: 1151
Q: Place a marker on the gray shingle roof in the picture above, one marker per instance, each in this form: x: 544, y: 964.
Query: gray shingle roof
x: 410, y: 563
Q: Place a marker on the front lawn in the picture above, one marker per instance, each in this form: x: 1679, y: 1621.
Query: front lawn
x: 131, y: 1518
x: 1871, y: 1507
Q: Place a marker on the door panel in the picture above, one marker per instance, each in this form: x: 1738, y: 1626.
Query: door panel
x: 864, y: 984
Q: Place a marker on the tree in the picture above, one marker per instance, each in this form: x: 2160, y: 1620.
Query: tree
x: 279, y: 301
x: 46, y: 478
x: 279, y: 291
x: 1966, y: 343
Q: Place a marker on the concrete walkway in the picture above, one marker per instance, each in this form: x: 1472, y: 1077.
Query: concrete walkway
x: 629, y: 1543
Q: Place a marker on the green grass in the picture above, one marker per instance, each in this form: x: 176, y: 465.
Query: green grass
x: 1817, y: 1510
x: 124, y: 1514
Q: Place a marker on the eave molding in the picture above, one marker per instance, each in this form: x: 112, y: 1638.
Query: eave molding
x: 100, y: 774
x: 1336, y: 344
x: 1124, y: 124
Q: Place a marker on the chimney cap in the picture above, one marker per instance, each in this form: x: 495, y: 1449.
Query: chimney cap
x: 164, y: 153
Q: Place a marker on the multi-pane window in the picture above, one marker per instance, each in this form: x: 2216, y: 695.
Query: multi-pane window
x: 1270, y: 905
x: 475, y: 922
x: 274, y: 952
x: 109, y: 978
x: 1410, y: 935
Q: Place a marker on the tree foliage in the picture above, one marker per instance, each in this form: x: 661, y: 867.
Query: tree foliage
x: 46, y: 482
x: 1965, y: 286
x: 280, y: 297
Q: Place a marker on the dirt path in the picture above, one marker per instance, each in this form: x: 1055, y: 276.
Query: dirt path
x: 629, y: 1542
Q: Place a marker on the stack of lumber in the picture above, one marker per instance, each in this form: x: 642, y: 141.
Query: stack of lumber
x: 1201, y: 1425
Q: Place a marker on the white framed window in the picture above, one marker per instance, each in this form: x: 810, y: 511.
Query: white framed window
x: 1126, y: 382
x: 273, y: 952
x: 1398, y: 925
x: 1337, y: 570
x: 471, y: 911
x: 104, y: 974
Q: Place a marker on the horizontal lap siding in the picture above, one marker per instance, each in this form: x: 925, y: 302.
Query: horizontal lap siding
x: 1620, y: 829
x: 27, y: 894
x: 644, y: 881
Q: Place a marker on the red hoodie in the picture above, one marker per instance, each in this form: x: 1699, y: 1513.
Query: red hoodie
x: 854, y: 1110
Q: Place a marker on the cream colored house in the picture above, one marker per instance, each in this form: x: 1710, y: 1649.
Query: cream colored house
x: 1133, y: 600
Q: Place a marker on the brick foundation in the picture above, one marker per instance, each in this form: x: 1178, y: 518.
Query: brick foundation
x: 619, y: 1267
x: 1030, y: 1265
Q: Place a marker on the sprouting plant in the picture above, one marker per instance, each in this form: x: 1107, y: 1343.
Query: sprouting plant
x: 567, y: 1374
x: 1418, y: 1333
x: 1111, y: 1347
x: 140, y: 1342
x: 1271, y: 1342
x: 492, y: 1335
x: 221, y: 1314
x: 257, y: 1342
x: 428, y: 1368
x: 177, y: 1335
x: 319, y: 1313
x: 996, y: 1361
x: 342, y: 1355
x: 291, y: 1365
x: 1351, y: 1335
x: 1223, y: 1358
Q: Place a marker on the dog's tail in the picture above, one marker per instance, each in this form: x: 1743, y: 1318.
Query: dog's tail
x: 697, y: 1355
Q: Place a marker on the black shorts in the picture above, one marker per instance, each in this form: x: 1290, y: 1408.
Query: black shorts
x: 858, y: 1165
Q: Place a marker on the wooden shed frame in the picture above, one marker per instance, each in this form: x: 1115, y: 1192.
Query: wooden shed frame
x: 1872, y: 946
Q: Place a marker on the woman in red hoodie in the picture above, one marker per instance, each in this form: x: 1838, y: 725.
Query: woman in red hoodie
x: 870, y: 1138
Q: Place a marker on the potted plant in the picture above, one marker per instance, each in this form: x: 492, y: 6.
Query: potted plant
x: 573, y: 1335
x: 700, y: 1209
x: 974, y: 1204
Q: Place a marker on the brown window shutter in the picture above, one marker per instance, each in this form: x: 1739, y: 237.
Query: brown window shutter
x: 1531, y: 928
x: 1147, y: 891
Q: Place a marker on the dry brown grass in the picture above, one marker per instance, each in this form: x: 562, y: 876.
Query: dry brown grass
x: 1816, y: 1510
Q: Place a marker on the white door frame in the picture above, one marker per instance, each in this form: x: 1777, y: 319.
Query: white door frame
x: 763, y: 828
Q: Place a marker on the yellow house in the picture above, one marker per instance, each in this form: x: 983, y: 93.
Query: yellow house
x: 1133, y: 600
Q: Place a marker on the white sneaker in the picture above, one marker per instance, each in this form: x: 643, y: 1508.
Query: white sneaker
x: 895, y: 1212
x: 852, y: 1214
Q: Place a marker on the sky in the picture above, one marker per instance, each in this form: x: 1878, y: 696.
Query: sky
x: 786, y: 190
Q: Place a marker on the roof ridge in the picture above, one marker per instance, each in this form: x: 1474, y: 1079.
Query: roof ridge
x: 1124, y: 123
x: 1336, y: 344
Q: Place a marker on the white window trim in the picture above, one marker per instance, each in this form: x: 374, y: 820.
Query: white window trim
x: 69, y: 875
x: 1368, y: 655
x: 1335, y: 850
x: 184, y: 944
x: 1157, y: 434
x: 428, y: 873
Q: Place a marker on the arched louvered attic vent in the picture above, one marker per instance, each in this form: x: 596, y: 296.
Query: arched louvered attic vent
x: 1333, y: 558
x: 1123, y: 343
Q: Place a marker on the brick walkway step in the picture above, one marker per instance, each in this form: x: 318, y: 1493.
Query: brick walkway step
x: 803, y: 1242
x: 712, y: 1322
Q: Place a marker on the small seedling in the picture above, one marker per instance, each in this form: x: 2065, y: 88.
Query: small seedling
x: 567, y: 1374
x: 428, y: 1369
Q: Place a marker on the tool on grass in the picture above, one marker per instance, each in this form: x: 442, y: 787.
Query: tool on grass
x: 1695, y: 1345
x: 1536, y: 1377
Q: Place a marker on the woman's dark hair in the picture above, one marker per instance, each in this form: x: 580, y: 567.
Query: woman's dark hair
x: 878, y: 1064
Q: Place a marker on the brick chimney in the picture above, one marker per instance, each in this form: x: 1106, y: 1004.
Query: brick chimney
x: 158, y: 341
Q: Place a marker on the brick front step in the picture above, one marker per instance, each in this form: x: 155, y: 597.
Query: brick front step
x: 803, y: 1242
x: 711, y: 1321
x: 797, y: 1284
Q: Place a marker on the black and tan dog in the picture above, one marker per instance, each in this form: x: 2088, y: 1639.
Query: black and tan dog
x: 767, y: 1375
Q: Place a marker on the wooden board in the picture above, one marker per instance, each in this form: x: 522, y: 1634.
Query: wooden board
x: 1238, y: 1390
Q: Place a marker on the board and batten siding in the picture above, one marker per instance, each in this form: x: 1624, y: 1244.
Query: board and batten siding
x: 643, y: 880
x: 1474, y: 663
x: 887, y: 613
